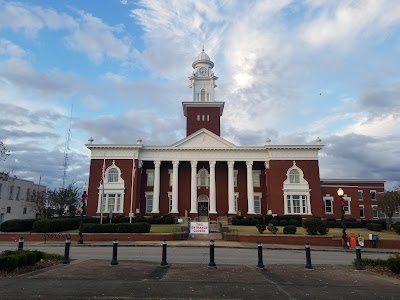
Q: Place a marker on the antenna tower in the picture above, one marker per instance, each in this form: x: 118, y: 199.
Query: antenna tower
x: 66, y: 149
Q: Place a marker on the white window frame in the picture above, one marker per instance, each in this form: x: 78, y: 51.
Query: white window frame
x: 328, y: 198
x: 370, y: 193
x: 118, y: 203
x: 170, y: 201
x: 198, y: 117
x: 208, y: 117
x: 171, y: 178
x: 375, y: 208
x: 235, y: 177
x: 259, y: 196
x: 294, y: 176
x: 363, y: 210
x: 235, y: 203
x: 347, y: 205
x: 112, y: 175
x: 301, y: 189
x: 149, y: 206
x: 256, y: 178
x: 207, y: 178
x: 149, y: 180
x: 360, y: 192
x: 303, y: 204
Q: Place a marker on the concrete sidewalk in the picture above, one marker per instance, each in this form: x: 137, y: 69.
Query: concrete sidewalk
x: 97, y: 279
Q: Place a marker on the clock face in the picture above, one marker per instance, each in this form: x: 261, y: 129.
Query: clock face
x: 203, y: 71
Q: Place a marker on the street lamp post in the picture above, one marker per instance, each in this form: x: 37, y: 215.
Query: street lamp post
x: 342, y: 203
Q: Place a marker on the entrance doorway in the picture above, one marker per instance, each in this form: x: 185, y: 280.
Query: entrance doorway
x: 202, y: 206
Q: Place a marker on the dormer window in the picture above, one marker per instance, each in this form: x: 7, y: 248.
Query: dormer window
x: 294, y: 176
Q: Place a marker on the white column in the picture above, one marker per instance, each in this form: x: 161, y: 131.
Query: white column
x: 193, y: 188
x: 156, y: 188
x: 174, y: 209
x: 213, y: 201
x: 231, y: 189
x: 250, y: 188
x: 266, y: 184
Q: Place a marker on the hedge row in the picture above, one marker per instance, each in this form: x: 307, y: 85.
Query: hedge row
x: 353, y: 223
x: 10, y: 260
x: 17, y: 225
x: 393, y: 263
x: 140, y: 227
x: 275, y: 221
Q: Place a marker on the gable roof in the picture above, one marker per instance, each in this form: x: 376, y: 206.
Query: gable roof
x: 203, y: 138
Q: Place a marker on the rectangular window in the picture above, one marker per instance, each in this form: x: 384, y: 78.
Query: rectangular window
x: 373, y: 195
x: 18, y: 191
x: 235, y: 174
x: 346, y: 206
x: 170, y: 177
x: 202, y: 117
x: 360, y: 195
x: 118, y: 202
x: 104, y: 203
x: 198, y: 117
x: 208, y: 117
x: 24, y: 211
x: 374, y: 211
x: 328, y: 205
x: 235, y: 204
x: 362, y: 214
x: 256, y: 178
x: 170, y: 200
x: 111, y: 202
x: 9, y: 209
x: 296, y: 204
x: 149, y: 202
x: 150, y: 177
x: 11, y: 192
x: 28, y: 194
x: 257, y: 204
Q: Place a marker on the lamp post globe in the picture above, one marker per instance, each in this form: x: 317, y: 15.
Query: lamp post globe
x: 342, y: 203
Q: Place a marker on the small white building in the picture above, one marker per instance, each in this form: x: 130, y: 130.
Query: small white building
x: 14, y: 193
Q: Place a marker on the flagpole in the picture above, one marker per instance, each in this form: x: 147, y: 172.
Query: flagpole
x: 102, y: 189
x: 133, y: 178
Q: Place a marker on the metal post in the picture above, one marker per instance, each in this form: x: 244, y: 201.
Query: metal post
x: 164, y: 263
x: 308, y: 257
x: 66, y: 252
x: 359, y: 264
x: 21, y: 243
x: 212, y: 264
x: 260, y: 264
x: 114, y: 260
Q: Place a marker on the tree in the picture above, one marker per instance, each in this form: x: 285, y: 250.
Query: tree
x: 3, y: 151
x: 38, y: 201
x: 388, y: 203
x: 64, y: 200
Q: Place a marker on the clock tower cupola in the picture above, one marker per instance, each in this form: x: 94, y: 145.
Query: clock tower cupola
x: 203, y: 111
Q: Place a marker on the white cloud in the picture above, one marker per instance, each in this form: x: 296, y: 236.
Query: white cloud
x: 340, y: 24
x: 98, y: 40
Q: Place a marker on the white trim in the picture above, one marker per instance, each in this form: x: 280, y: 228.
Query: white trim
x: 348, y: 199
x: 327, y: 197
x: 146, y: 194
x: 254, y: 202
x: 150, y: 171
x: 359, y: 206
x: 377, y: 211
x: 362, y: 195
x: 256, y: 178
x: 296, y: 189
x: 370, y: 193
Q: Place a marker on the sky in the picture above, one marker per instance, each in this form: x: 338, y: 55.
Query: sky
x: 116, y: 70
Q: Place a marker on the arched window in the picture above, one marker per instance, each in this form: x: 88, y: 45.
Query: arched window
x: 203, y: 178
x: 203, y: 95
x: 294, y: 176
x: 113, y: 175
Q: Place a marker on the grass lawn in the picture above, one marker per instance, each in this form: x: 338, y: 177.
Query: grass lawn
x: 163, y: 228
x: 335, y: 232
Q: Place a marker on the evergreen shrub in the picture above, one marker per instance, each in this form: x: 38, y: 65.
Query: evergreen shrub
x: 290, y: 229
x: 393, y: 263
x: 283, y: 222
x: 374, y: 226
x: 17, y: 225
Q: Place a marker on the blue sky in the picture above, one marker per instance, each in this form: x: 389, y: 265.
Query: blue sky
x: 288, y: 70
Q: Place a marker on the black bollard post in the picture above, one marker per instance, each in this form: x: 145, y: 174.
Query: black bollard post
x: 114, y: 260
x: 212, y: 264
x: 260, y: 264
x: 359, y: 264
x: 308, y: 257
x: 21, y: 243
x: 66, y: 252
x: 164, y: 263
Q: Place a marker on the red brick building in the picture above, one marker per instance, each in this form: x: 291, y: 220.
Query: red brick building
x: 206, y: 175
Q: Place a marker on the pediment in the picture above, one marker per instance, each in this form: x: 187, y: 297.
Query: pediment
x: 203, y: 138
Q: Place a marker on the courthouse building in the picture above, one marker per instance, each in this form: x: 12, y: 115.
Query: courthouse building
x: 204, y: 175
